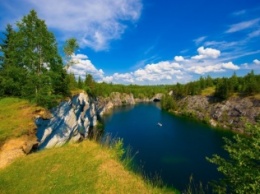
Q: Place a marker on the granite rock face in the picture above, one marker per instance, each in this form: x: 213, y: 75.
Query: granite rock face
x: 104, y: 105
x: 70, y: 121
x: 231, y: 114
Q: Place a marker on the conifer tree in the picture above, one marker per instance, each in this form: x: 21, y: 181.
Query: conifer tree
x: 31, y: 52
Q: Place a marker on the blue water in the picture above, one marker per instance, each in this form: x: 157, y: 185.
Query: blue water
x: 176, y: 150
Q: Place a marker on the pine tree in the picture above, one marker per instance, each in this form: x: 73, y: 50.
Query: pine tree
x: 12, y: 76
x: 69, y: 48
x: 31, y: 51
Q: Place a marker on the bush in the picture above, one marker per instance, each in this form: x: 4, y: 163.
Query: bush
x: 241, y: 169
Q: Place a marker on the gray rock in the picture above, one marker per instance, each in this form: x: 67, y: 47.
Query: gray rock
x: 69, y: 122
x: 232, y: 113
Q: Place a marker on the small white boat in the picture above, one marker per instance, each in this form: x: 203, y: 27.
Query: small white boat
x: 160, y: 124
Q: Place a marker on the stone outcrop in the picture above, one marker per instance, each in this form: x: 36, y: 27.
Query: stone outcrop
x: 70, y: 121
x: 157, y: 97
x: 232, y: 113
x: 105, y: 105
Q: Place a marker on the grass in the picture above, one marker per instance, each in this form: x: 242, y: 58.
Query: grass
x: 16, y: 118
x: 257, y: 96
x: 85, y: 167
x: 208, y: 91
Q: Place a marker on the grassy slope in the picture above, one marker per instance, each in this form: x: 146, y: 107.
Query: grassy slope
x: 16, y: 118
x: 86, y: 167
x: 77, y: 168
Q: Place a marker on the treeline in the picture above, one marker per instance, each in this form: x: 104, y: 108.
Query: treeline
x: 224, y: 87
x: 30, y: 66
x: 105, y: 89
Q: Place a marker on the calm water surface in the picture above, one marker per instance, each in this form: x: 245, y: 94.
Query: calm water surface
x: 176, y: 150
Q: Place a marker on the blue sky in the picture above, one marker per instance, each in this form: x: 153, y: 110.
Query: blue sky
x: 151, y: 41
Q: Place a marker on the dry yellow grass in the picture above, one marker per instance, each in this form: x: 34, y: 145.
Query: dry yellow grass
x: 208, y: 91
x: 16, y: 118
x: 86, y: 167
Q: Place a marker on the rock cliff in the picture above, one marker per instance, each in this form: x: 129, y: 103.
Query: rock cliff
x: 72, y: 120
x: 104, y: 105
x: 231, y: 114
x: 69, y: 122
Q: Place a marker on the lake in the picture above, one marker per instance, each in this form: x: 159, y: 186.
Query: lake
x: 175, y: 150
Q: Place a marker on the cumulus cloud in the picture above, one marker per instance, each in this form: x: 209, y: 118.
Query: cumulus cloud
x: 206, y: 53
x: 242, y: 25
x: 95, y: 23
x: 256, y: 61
x: 155, y: 73
x: 178, y: 58
x: 162, y: 72
x: 120, y: 78
x: 230, y: 65
x: 81, y: 66
x: 203, y: 68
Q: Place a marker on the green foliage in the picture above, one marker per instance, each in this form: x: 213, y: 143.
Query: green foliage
x: 69, y: 48
x: 30, y: 64
x: 16, y: 118
x: 85, y: 167
x: 119, y: 148
x: 168, y: 103
x: 104, y: 89
x: 224, y: 88
x: 80, y: 83
x: 241, y: 169
x: 194, y: 188
x: 251, y: 84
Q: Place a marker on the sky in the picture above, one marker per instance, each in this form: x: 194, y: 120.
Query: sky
x: 151, y: 42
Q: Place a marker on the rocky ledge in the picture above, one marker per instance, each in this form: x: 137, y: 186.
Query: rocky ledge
x: 69, y: 122
x: 73, y: 119
x: 231, y: 114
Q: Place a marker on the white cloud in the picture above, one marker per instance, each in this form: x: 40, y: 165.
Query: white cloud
x: 255, y: 33
x: 230, y: 65
x: 95, y: 23
x: 119, y: 78
x: 206, y: 53
x: 156, y: 73
x: 242, y: 25
x: 163, y: 72
x: 203, y: 68
x: 223, y: 45
x: 199, y: 40
x: 82, y: 66
x: 179, y: 58
x: 256, y: 61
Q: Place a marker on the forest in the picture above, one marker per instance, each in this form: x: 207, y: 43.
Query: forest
x: 31, y: 67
